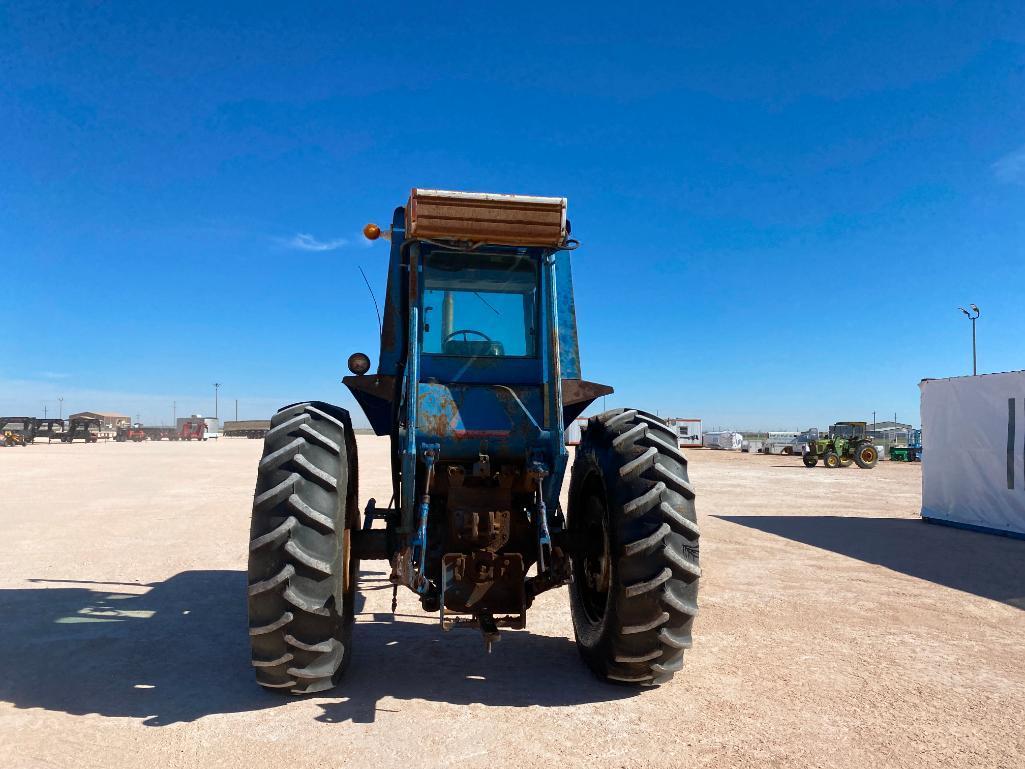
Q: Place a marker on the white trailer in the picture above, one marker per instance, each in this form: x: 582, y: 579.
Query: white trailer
x: 723, y: 439
x: 782, y: 443
x: 575, y: 431
x: 688, y: 431
x: 973, y: 458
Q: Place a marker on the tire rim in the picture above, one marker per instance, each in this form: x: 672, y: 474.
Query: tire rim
x: 867, y: 455
x: 350, y: 565
x: 594, y: 566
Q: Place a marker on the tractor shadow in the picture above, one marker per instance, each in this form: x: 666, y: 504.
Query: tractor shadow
x: 177, y: 650
x: 396, y: 660
x: 985, y: 565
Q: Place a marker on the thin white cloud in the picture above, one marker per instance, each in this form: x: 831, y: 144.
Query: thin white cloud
x: 305, y: 242
x: 53, y: 375
x: 1011, y: 168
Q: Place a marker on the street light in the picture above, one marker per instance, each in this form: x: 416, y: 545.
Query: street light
x: 217, y: 386
x: 972, y: 318
x: 60, y: 400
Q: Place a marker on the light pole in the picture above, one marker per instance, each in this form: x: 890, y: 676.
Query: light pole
x: 972, y: 318
x: 217, y: 386
x: 60, y: 400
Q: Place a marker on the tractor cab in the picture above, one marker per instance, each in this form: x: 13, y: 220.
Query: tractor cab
x: 480, y: 305
x: 848, y: 430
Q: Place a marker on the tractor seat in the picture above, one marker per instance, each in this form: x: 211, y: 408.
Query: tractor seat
x: 473, y: 348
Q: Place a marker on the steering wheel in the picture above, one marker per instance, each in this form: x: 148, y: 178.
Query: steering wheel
x: 464, y: 332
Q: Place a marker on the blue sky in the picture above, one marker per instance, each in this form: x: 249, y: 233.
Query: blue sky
x: 780, y: 207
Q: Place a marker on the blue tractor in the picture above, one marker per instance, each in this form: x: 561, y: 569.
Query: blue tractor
x: 478, y: 378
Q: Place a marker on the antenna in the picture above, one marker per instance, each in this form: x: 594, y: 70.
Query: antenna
x: 380, y: 331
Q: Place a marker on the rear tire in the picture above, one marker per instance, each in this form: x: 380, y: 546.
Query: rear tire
x: 302, y: 576
x: 866, y: 456
x: 635, y: 549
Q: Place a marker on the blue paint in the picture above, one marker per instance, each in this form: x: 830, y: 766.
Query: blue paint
x: 409, y: 449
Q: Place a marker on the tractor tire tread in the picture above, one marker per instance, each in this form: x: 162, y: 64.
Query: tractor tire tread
x: 652, y: 598
x: 299, y: 616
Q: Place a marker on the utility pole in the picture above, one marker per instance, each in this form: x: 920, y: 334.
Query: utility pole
x: 972, y: 318
x: 60, y: 414
x: 873, y: 421
x: 174, y: 414
x: 217, y: 386
x: 236, y: 409
x: 44, y: 409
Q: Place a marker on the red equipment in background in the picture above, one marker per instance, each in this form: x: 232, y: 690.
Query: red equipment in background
x: 193, y: 430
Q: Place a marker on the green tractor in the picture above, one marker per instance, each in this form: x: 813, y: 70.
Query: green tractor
x: 846, y: 442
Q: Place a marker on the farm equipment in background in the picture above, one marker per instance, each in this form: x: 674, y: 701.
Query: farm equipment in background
x: 193, y: 430
x: 84, y: 428
x: 17, y: 431
x: 49, y: 428
x: 138, y: 433
x: 912, y: 452
x: 246, y: 428
x: 160, y: 433
x: 134, y: 433
x: 478, y: 378
x: 846, y: 442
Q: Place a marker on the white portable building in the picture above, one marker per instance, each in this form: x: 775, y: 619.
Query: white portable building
x: 973, y: 457
x: 688, y: 431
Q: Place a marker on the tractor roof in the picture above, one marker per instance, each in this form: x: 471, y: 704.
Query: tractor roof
x: 486, y: 217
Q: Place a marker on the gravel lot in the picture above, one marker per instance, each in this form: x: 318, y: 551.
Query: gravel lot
x: 836, y: 629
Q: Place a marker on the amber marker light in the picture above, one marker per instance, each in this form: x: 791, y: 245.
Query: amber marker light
x: 371, y: 231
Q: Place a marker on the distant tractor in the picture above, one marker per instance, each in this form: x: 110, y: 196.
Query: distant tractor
x: 846, y: 442
x: 134, y: 433
x: 477, y: 381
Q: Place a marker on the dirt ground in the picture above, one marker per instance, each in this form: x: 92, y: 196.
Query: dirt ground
x: 836, y: 630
